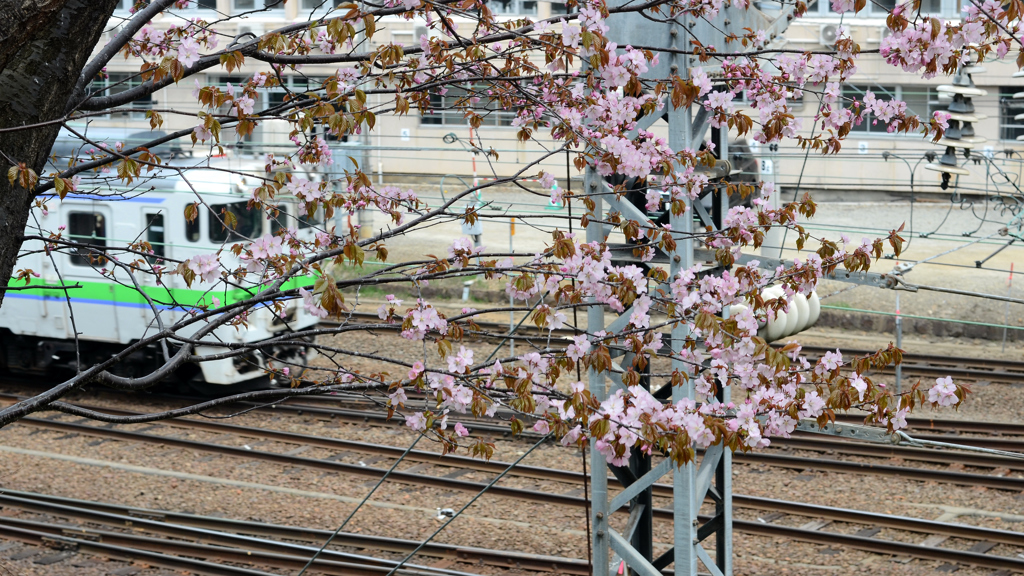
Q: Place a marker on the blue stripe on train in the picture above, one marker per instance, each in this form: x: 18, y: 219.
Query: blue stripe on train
x: 88, y: 301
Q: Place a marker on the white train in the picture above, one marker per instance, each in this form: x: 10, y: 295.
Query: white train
x: 36, y: 334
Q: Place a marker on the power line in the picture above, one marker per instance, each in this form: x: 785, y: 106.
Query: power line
x: 357, y: 508
x: 468, y: 504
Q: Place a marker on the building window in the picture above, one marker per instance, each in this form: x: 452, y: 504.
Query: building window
x: 321, y: 4
x: 250, y: 222
x: 450, y: 109
x: 877, y: 8
x: 155, y: 236
x: 201, y: 5
x: 868, y: 124
x: 87, y: 228
x: 126, y: 5
x: 1010, y: 129
x: 517, y: 7
x: 241, y: 5
x: 117, y: 82
x: 560, y: 8
x: 923, y: 100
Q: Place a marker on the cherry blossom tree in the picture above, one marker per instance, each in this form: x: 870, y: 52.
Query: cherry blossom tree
x: 579, y: 94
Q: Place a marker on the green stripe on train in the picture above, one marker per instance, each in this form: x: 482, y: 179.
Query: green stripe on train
x: 161, y: 295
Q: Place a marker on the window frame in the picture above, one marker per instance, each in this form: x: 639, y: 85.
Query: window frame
x: 80, y: 257
x: 947, y: 9
x: 194, y: 7
x: 1009, y: 129
x: 214, y: 225
x: 517, y: 8
x: 275, y: 10
x: 123, y: 81
x: 159, y: 247
x: 503, y: 118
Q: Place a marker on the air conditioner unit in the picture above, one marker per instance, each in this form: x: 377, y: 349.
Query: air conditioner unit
x: 827, y: 34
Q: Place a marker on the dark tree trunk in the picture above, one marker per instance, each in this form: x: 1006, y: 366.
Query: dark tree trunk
x: 21, y: 20
x: 35, y: 87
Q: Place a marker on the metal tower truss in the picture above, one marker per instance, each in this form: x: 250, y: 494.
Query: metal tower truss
x: 692, y: 482
x: 711, y: 476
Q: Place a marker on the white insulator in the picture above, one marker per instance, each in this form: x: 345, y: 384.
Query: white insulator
x: 963, y: 117
x: 946, y: 142
x: 802, y: 311
x: 962, y: 90
x: 736, y: 309
x: 973, y: 140
x: 1019, y: 117
x: 1019, y: 74
x: 814, y: 310
x: 935, y: 167
x: 792, y: 321
x: 776, y: 328
x: 1018, y: 95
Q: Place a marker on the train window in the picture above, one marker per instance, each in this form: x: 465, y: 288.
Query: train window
x: 88, y: 228
x: 283, y: 218
x: 192, y: 230
x: 306, y: 222
x: 250, y: 222
x: 155, y: 236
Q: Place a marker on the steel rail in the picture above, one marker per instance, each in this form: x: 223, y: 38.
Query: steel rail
x: 792, y: 462
x: 799, y: 441
x: 878, y: 546
x: 368, y: 416
x: 180, y: 548
x: 131, y: 514
x: 178, y: 524
x: 949, y: 425
x: 327, y: 465
x: 36, y: 538
x: 318, y: 405
x: 347, y: 560
x: 135, y: 517
x: 916, y: 423
x: 923, y: 364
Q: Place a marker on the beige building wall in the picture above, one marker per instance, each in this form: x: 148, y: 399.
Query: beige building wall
x: 411, y: 147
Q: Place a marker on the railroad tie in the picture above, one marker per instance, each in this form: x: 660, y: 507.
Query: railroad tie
x: 934, y: 540
x: 868, y: 532
x: 982, y: 547
x: 815, y: 524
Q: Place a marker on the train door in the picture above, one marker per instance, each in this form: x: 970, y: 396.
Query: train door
x: 95, y: 304
x: 155, y: 232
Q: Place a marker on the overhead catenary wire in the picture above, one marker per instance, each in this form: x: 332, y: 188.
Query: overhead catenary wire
x: 470, y: 503
x: 918, y: 317
x: 360, y: 505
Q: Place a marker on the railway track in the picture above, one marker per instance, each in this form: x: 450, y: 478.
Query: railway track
x: 220, y: 550
x: 768, y: 527
x: 231, y: 533
x: 813, y: 443
x: 274, y: 538
x: 341, y: 407
x: 914, y: 365
x: 157, y: 521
